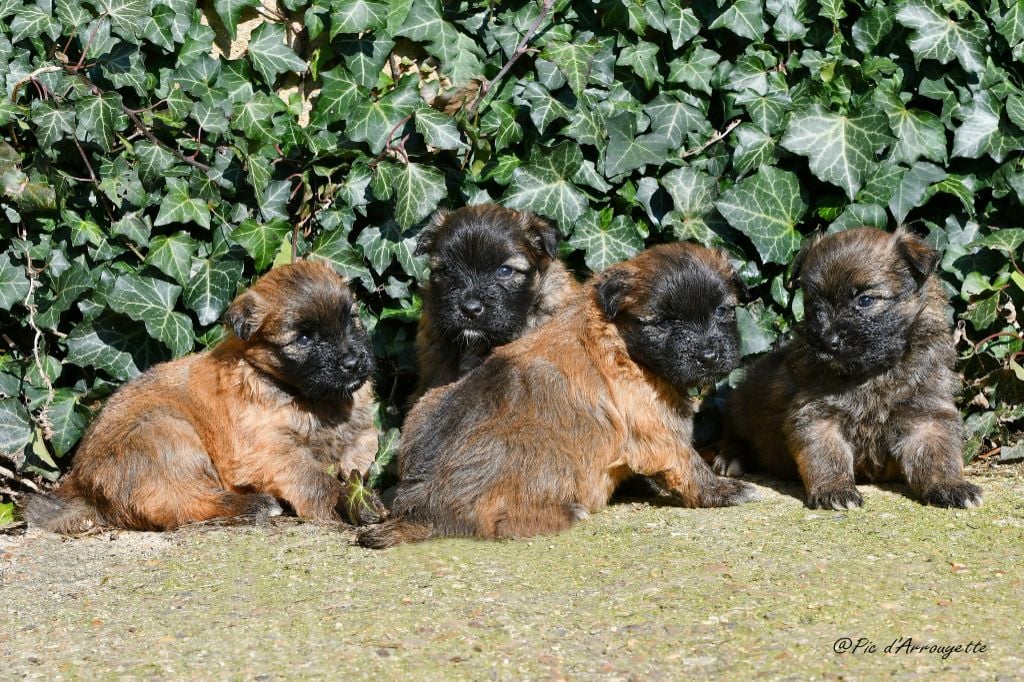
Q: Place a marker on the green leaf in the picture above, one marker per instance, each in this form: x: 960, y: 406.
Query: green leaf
x: 211, y: 287
x: 544, y: 187
x: 230, y: 12
x: 643, y: 58
x: 1011, y: 25
x: 753, y: 148
x: 745, y: 18
x: 1004, y: 239
x: 261, y: 240
x: 693, y: 196
x: 937, y: 36
x: 766, y: 207
x: 52, y: 123
x: 375, y: 122
x: 126, y: 15
x: 439, y: 130
x: 152, y: 302
x: 356, y: 16
x: 418, y: 189
x: 840, y: 149
x: 335, y: 248
x: 99, y: 117
x: 975, y: 136
x: 173, y: 255
x: 66, y: 288
x: 605, y: 238
x: 15, y: 427
x: 574, y: 59
x: 681, y: 23
x: 13, y: 283
x: 338, y: 95
x: 626, y: 151
x: 255, y: 117
x: 270, y: 53
x: 108, y: 346
x: 912, y: 187
x: 68, y: 420
x: 178, y: 207
x: 33, y: 22
x: 695, y: 70
x: 918, y: 133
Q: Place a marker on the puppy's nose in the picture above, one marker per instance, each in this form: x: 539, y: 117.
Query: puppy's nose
x: 708, y: 355
x: 835, y: 341
x: 471, y: 307
x: 349, y: 363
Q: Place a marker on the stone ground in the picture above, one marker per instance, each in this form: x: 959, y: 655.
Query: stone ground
x: 762, y: 591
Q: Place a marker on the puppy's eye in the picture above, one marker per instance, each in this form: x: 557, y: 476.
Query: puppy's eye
x: 865, y: 301
x: 663, y: 324
x: 302, y: 340
x: 723, y: 311
x: 505, y: 271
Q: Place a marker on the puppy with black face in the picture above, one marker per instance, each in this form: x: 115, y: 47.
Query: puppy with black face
x: 865, y: 392
x: 597, y: 394
x: 494, y: 274
x: 273, y: 412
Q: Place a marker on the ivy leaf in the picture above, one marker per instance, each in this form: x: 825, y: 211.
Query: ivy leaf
x: 33, y: 22
x: 339, y: 93
x: 918, y: 133
x: 374, y: 122
x: 211, y: 287
x: 172, y: 255
x: 255, y: 117
x: 418, y: 189
x: 99, y: 117
x: 626, y: 151
x: 270, y: 53
x: 335, y: 248
x: 840, y: 149
x: 52, y: 122
x: 15, y: 427
x: 766, y: 207
x: 68, y: 420
x: 693, y: 193
x: 574, y: 59
x: 1007, y: 240
x: 230, y: 12
x: 13, y: 283
x: 974, y: 137
x: 937, y: 36
x: 152, y: 302
x: 543, y: 185
x: 643, y: 58
x: 754, y: 148
x: 745, y: 18
x: 115, y: 348
x: 912, y: 187
x: 178, y: 207
x: 605, y: 239
x: 126, y: 15
x: 682, y: 24
x: 439, y: 130
x: 356, y: 16
x: 695, y: 70
x: 261, y: 240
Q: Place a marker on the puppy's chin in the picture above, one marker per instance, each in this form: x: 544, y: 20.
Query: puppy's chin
x: 340, y: 389
x: 854, y: 363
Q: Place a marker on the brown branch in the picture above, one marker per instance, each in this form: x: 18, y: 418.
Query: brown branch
x: 43, y: 417
x: 516, y: 54
x: 717, y: 137
x: 20, y: 480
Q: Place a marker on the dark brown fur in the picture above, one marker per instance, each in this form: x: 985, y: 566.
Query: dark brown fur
x: 540, y: 435
x: 865, y: 392
x: 463, y: 243
x: 230, y: 431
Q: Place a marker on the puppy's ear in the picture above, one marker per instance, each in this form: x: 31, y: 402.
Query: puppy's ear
x: 542, y: 234
x: 921, y: 257
x: 612, y: 290
x: 427, y: 236
x: 245, y: 315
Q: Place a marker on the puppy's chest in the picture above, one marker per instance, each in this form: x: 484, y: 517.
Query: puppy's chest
x: 324, y: 436
x: 872, y: 415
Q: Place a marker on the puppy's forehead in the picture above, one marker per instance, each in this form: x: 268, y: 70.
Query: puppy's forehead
x: 688, y: 288
x: 854, y: 259
x: 307, y: 290
x: 486, y: 243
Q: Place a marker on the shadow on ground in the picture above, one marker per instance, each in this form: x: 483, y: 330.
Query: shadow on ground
x: 635, y: 592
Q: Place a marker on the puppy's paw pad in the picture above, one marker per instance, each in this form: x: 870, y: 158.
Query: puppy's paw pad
x: 840, y: 499
x: 960, y: 495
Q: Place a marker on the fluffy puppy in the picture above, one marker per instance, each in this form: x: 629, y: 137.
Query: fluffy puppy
x: 541, y: 434
x: 271, y: 413
x: 866, y: 389
x: 494, y: 274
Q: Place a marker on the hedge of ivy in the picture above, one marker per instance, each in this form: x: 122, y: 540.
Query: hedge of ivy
x: 156, y: 156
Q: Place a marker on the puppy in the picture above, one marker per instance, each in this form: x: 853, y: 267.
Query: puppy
x: 494, y: 274
x: 268, y: 414
x: 866, y: 389
x: 539, y: 435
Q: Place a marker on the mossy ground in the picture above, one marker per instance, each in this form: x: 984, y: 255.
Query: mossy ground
x: 635, y: 592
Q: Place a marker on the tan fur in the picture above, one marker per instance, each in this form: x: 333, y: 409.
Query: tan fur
x: 212, y: 435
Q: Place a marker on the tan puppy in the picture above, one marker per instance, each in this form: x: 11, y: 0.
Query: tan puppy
x: 866, y: 390
x: 541, y: 434
x: 277, y: 410
x: 494, y: 274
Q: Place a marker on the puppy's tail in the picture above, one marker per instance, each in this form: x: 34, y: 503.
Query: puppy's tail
x: 60, y: 515
x: 393, y: 532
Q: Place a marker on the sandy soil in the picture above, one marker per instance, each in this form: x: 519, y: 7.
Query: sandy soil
x: 762, y: 591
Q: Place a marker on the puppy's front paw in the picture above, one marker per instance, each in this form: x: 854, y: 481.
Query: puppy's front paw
x: 262, y: 506
x: 724, y: 464
x: 835, y: 498
x: 727, y: 492
x: 959, y: 494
